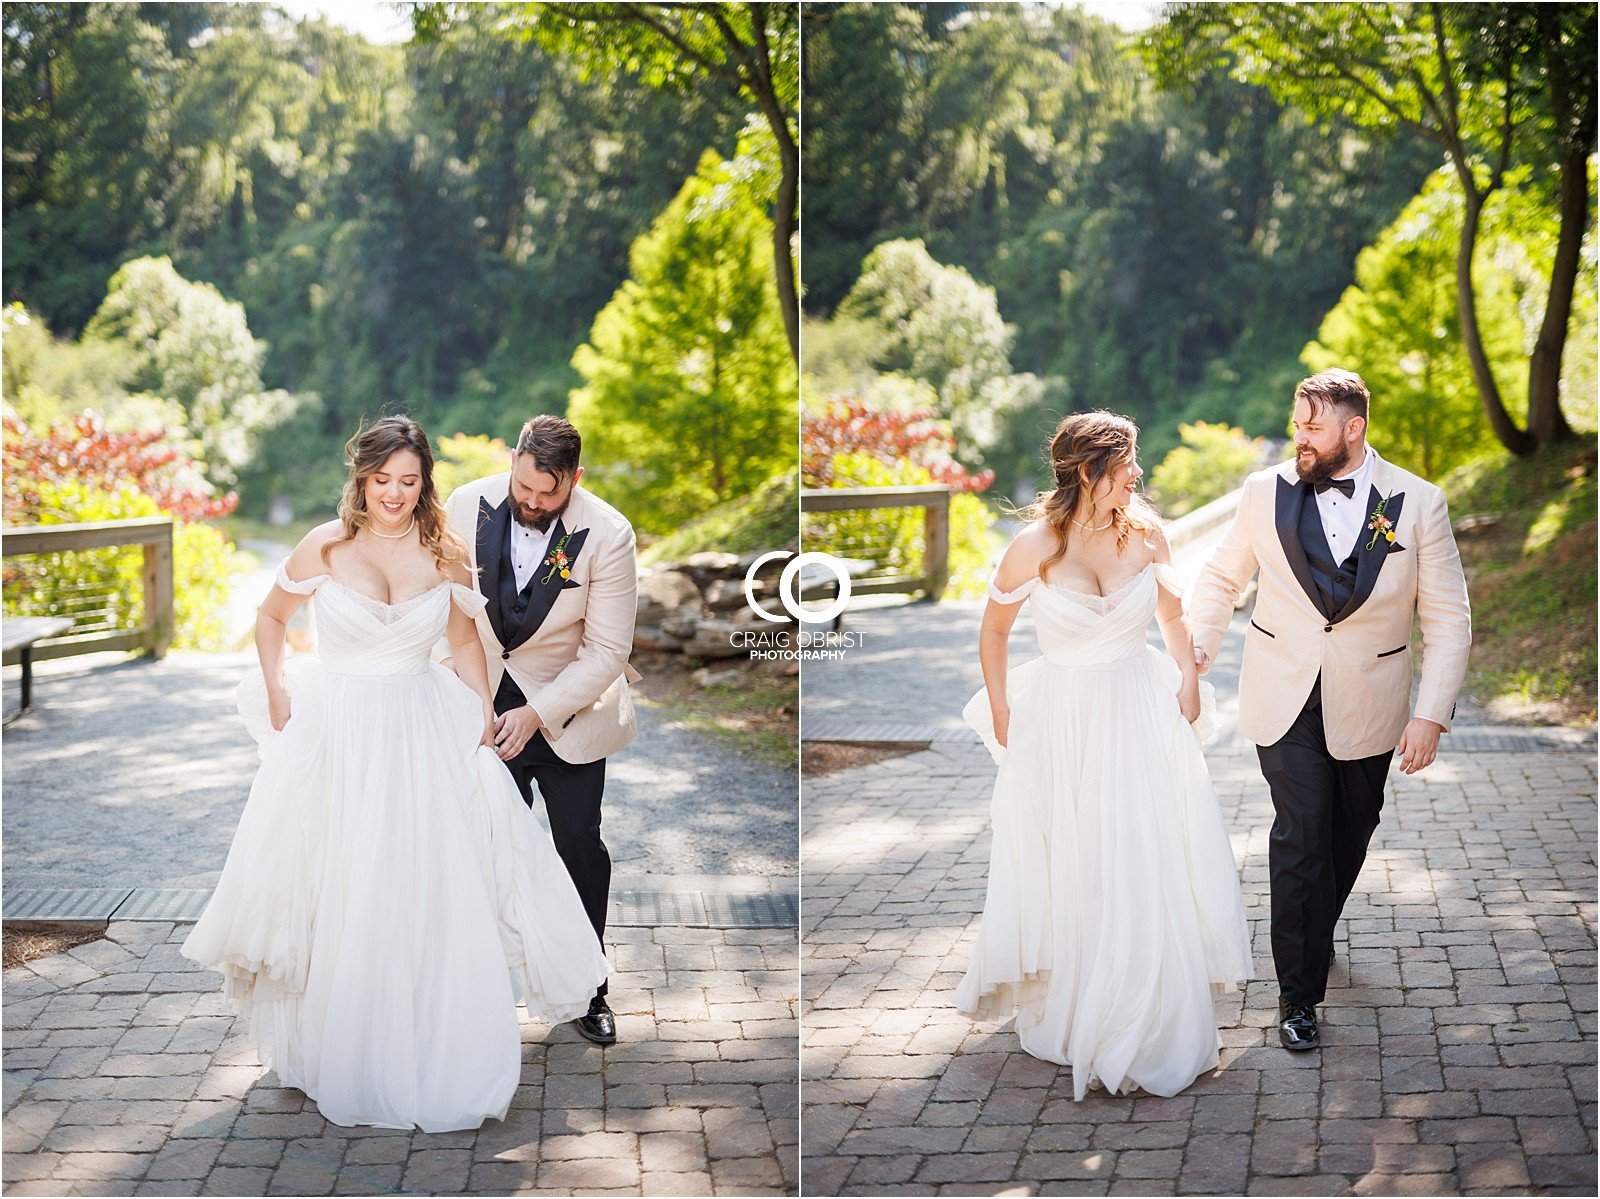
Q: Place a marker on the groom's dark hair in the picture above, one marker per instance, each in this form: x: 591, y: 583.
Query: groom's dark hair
x: 554, y: 444
x: 1342, y: 389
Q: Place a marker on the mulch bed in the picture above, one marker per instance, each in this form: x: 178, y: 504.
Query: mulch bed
x: 23, y: 946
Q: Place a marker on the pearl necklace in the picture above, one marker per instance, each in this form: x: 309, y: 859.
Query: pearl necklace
x: 406, y: 532
x: 1093, y: 528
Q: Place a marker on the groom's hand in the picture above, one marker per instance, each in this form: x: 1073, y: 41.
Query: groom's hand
x: 1419, y: 745
x: 512, y: 730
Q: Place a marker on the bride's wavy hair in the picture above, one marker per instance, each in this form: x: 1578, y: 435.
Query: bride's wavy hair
x: 1084, y: 450
x: 365, y: 454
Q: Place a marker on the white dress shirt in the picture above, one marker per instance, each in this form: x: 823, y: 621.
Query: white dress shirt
x: 1344, y: 518
x: 528, y: 548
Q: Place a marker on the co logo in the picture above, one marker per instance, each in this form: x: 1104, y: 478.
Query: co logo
x: 789, y: 594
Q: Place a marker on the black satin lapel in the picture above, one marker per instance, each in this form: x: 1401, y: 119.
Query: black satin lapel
x: 544, y: 594
x: 1370, y: 561
x: 1286, y: 515
x: 492, y: 524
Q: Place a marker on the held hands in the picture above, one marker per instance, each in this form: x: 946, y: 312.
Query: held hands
x: 488, y: 727
x: 1419, y: 745
x: 1202, y: 663
x: 512, y: 731
x: 1189, y: 697
x: 278, y: 707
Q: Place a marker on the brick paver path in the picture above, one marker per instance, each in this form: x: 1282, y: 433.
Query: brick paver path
x: 126, y: 1074
x: 1459, y: 1028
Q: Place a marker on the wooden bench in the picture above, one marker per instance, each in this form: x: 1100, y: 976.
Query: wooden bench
x: 19, y: 634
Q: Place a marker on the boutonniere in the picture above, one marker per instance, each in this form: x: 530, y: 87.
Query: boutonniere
x: 1380, y: 524
x: 557, y: 560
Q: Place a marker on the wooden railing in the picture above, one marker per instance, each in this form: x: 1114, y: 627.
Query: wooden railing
x: 933, y: 499
x: 154, y: 534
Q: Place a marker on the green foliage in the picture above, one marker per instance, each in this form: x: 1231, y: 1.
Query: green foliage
x: 893, y: 537
x: 428, y: 227
x: 191, y: 347
x: 914, y: 317
x: 1164, y: 255
x: 1398, y: 328
x: 463, y: 459
x: 763, y: 520
x: 46, y: 584
x: 688, y: 396
x: 1212, y: 461
x: 1533, y: 580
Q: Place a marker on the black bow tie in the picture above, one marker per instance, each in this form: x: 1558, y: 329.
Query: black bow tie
x: 1348, y: 486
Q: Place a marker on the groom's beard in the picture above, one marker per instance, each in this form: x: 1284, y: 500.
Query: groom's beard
x: 536, y: 519
x: 1324, y: 467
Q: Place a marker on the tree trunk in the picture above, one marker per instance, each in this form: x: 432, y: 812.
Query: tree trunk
x: 1513, y: 438
x: 783, y: 230
x: 1545, y: 420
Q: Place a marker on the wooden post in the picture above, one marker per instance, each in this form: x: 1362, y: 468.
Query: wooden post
x: 158, y: 593
x: 936, y: 545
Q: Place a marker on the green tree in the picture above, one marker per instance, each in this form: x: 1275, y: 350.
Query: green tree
x: 1473, y: 79
x: 86, y: 124
x: 191, y: 347
x: 938, y: 324
x: 746, y: 53
x: 1399, y: 328
x: 688, y: 396
x: 1212, y: 460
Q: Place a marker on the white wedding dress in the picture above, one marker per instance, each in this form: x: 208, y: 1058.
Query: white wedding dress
x: 1113, y: 907
x: 389, y: 898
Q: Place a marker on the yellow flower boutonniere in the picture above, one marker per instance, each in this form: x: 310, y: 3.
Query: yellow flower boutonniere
x: 557, y: 560
x: 1380, y: 524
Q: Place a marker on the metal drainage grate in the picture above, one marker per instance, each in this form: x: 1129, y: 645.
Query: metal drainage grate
x: 179, y: 906
x: 64, y: 905
x: 629, y: 909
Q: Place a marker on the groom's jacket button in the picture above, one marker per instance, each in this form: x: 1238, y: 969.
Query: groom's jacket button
x: 1327, y: 628
x: 505, y: 653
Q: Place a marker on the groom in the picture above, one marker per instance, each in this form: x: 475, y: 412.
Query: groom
x: 556, y: 564
x: 1348, y: 547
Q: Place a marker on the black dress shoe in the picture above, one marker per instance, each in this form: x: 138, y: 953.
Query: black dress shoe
x: 1297, y: 1025
x: 599, y: 1026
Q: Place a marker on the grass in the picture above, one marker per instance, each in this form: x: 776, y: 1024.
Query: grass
x: 766, y: 519
x: 1532, y: 580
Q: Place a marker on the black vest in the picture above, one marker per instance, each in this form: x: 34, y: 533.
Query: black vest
x: 1336, y: 582
x: 513, y: 607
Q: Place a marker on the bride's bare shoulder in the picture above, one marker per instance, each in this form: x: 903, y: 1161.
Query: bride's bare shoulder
x: 307, y: 560
x: 1027, y: 550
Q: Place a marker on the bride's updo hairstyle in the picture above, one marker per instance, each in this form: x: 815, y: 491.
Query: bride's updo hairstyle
x: 1084, y: 450
x: 365, y: 454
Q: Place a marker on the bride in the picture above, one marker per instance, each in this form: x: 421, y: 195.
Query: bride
x: 1113, y: 909
x: 389, y: 898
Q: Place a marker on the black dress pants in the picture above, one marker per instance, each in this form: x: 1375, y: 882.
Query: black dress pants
x: 572, y: 792
x: 1326, y: 811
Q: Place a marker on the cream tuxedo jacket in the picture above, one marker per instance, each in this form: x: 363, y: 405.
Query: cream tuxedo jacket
x: 1362, y: 652
x: 570, y: 654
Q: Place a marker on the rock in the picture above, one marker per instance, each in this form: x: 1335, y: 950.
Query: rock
x: 724, y: 594
x: 707, y: 677
x: 714, y: 639
x: 668, y: 589
x: 680, y: 624
x: 1475, y: 522
x: 649, y: 636
x: 713, y: 563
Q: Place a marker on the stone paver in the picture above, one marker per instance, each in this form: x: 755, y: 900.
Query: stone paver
x: 1459, y: 1027
x: 126, y: 1088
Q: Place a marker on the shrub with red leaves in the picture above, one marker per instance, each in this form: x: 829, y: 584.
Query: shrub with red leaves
x: 851, y: 426
x: 81, y: 447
